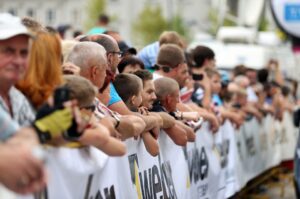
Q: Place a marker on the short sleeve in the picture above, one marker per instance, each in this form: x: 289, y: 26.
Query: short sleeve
x: 114, y: 96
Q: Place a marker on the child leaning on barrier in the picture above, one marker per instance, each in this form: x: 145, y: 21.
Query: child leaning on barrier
x: 95, y: 134
x: 167, y: 92
x: 130, y: 87
x: 217, y: 103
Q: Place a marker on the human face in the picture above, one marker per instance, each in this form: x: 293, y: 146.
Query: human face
x: 137, y: 99
x: 100, y: 71
x: 215, y: 83
x: 251, y: 74
x: 13, y: 58
x: 148, y: 94
x: 104, y: 97
x: 210, y: 63
x: 180, y: 74
x: 172, y: 101
x: 132, y: 68
x: 114, y: 57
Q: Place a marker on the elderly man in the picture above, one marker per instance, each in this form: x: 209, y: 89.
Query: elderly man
x: 92, y: 60
x: 113, y: 55
x: 14, y: 39
x: 20, y: 171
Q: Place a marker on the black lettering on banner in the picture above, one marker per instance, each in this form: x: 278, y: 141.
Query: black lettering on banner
x: 202, y: 190
x: 167, y: 176
x: 193, y: 159
x: 153, y: 181
x: 197, y: 163
x: 88, y: 186
x: 223, y: 150
x: 203, y: 164
x: 146, y: 185
x: 156, y: 181
x: 163, y: 181
x: 250, y: 146
x: 239, y: 148
x: 110, y: 193
x: 132, y: 160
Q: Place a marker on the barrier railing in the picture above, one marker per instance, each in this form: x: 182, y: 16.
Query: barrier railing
x: 214, y: 166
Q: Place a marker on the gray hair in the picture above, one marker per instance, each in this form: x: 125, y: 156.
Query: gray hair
x: 87, y: 54
x: 165, y: 86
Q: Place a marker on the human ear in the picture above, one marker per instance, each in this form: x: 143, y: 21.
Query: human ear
x: 94, y: 72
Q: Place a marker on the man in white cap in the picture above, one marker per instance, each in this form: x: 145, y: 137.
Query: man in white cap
x: 14, y: 39
x: 20, y: 170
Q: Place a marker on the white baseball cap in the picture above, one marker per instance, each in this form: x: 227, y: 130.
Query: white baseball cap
x: 11, y: 26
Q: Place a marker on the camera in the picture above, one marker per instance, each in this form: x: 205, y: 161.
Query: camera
x: 197, y: 77
x: 62, y: 95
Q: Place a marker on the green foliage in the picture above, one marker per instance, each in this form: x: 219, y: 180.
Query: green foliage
x: 150, y: 25
x: 94, y: 8
x: 177, y: 24
x: 213, y: 18
x: 214, y: 21
x: 263, y: 25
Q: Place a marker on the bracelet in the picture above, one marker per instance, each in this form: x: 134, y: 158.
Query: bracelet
x: 181, y: 116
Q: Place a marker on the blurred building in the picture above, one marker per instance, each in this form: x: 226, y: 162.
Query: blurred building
x: 48, y: 12
x: 124, y: 12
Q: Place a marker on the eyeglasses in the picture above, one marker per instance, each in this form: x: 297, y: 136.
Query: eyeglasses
x: 120, y: 53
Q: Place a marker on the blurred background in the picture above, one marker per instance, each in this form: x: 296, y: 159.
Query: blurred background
x: 239, y: 31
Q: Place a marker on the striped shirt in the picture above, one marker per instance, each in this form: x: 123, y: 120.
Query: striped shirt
x: 149, y: 54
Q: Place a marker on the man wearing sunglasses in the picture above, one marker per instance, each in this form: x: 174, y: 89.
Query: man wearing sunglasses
x: 171, y: 63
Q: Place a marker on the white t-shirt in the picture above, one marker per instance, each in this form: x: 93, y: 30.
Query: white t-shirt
x: 251, y: 95
x: 156, y: 76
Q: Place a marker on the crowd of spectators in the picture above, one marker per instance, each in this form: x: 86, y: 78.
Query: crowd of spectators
x: 87, y: 92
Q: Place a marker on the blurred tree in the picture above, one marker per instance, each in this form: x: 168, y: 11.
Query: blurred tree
x: 177, y: 24
x: 94, y: 8
x: 215, y: 22
x: 149, y: 25
x: 263, y: 24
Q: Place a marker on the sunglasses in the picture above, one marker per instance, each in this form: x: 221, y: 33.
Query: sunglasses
x: 91, y: 108
x: 197, y: 77
x: 120, y: 53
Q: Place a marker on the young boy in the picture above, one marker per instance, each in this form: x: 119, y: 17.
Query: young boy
x: 130, y: 88
x: 167, y: 92
x: 95, y: 134
x: 217, y: 103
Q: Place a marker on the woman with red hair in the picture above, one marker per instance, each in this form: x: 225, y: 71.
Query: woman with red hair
x: 44, y: 72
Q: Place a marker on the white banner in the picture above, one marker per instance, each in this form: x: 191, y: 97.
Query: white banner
x: 214, y: 166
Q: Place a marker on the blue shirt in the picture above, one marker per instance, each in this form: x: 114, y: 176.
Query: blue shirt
x: 114, y: 96
x: 149, y: 54
x: 8, y: 127
x: 97, y: 30
x: 217, y: 100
